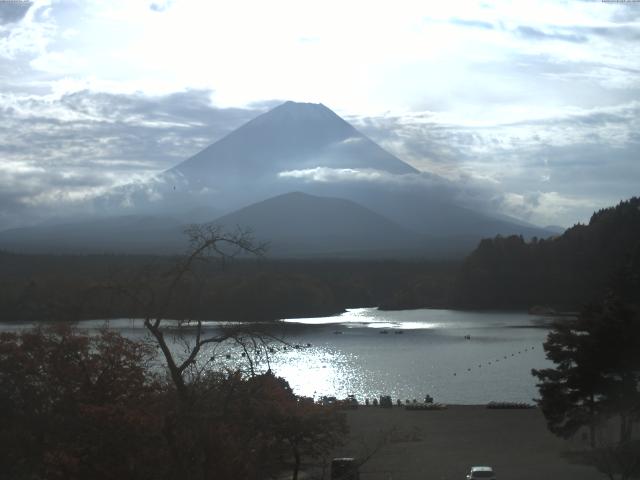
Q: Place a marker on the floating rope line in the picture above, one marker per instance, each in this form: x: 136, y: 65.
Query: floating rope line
x: 497, y: 360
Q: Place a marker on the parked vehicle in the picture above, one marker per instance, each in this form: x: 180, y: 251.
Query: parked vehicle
x: 486, y: 473
x: 344, y: 469
x: 328, y: 401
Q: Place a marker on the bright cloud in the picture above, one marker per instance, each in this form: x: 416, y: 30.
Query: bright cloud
x: 325, y: 174
x: 534, y: 99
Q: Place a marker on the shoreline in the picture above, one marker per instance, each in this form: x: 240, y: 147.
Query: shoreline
x: 443, y: 444
x: 549, y: 318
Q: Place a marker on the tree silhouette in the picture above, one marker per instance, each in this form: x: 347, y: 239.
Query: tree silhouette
x: 225, y: 425
x: 570, y: 392
x: 564, y: 272
x: 73, y: 405
x: 596, y: 380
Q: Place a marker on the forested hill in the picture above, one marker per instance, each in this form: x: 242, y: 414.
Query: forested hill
x: 564, y: 272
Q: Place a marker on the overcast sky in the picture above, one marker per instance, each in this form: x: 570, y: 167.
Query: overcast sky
x: 534, y: 104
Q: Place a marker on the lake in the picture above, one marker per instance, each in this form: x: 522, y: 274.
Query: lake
x: 458, y: 357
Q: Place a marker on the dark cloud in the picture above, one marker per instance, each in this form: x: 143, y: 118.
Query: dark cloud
x: 35, y: 195
x: 158, y: 130
x: 581, y: 33
x: 554, y: 170
x: 472, y: 23
x: 190, y: 107
x: 536, y: 34
x: 626, y: 13
x: 13, y: 11
x: 622, y: 115
x: 53, y: 152
x: 617, y: 32
x: 160, y: 6
x: 595, y: 168
x: 418, y: 138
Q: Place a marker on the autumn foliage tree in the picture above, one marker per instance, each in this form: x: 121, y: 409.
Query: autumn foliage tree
x: 76, y: 406
x: 80, y: 406
x: 229, y: 425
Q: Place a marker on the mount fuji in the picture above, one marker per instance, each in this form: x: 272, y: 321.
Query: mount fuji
x: 359, y: 196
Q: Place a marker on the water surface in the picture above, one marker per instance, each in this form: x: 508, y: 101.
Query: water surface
x: 455, y: 356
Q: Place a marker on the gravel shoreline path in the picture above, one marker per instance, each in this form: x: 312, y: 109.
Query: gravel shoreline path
x: 441, y: 445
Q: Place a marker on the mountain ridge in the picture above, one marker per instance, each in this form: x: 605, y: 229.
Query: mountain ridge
x: 295, y: 147
x: 290, y: 130
x: 299, y: 223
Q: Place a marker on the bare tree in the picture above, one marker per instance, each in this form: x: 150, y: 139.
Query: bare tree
x: 155, y: 294
x: 206, y: 241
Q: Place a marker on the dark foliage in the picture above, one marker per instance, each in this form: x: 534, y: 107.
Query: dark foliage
x: 596, y: 380
x: 565, y: 272
x: 34, y: 287
x: 75, y: 406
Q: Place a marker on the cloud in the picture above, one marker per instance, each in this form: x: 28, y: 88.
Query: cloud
x: 574, y: 159
x: 472, y: 23
x: 613, y: 32
x: 61, y: 151
x: 474, y: 192
x: 467, y: 190
x: 13, y: 11
x: 579, y: 33
x: 23, y: 38
x: 535, y: 34
x: 497, y: 98
x: 160, y: 6
x: 326, y: 174
x: 545, y: 205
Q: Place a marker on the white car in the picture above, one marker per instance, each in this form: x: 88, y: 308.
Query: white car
x: 486, y: 473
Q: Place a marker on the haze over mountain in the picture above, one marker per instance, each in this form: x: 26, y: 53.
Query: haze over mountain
x: 138, y: 234
x: 301, y: 224
x: 292, y: 136
x: 270, y: 155
x: 359, y: 197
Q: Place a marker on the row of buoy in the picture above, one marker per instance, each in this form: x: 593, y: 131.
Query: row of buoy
x: 274, y: 350
x: 296, y: 346
x: 383, y: 332
x: 505, y: 357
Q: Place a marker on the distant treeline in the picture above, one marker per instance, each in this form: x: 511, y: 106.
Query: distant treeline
x: 564, y: 272
x: 56, y: 287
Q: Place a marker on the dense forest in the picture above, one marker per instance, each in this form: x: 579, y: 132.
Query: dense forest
x: 37, y: 287
x: 561, y: 273
x: 564, y: 272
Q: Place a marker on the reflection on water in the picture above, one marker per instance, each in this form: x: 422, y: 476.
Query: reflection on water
x: 457, y: 357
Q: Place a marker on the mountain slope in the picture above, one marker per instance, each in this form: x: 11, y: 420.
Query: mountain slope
x: 294, y: 224
x: 123, y: 234
x: 292, y: 136
x: 295, y: 147
x: 297, y: 224
x: 250, y: 164
x: 308, y: 148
